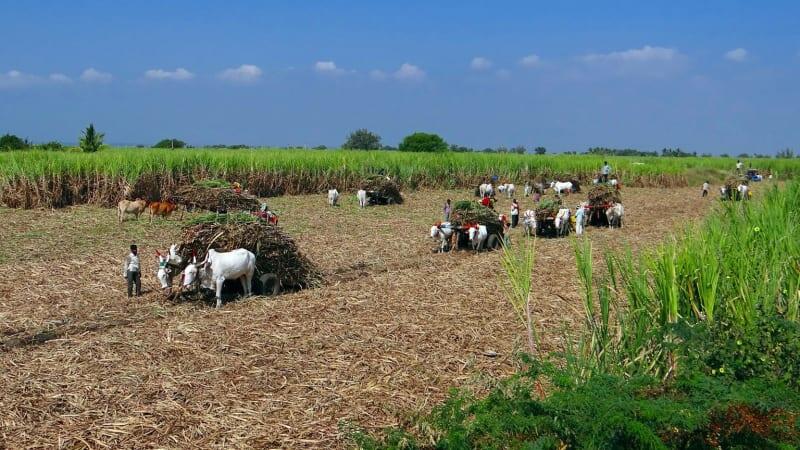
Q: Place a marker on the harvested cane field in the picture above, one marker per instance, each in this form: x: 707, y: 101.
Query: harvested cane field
x: 30, y: 179
x: 392, y: 329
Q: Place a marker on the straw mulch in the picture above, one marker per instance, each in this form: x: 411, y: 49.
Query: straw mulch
x: 217, y: 199
x: 466, y: 212
x: 276, y: 252
x: 601, y: 194
x: 382, y: 190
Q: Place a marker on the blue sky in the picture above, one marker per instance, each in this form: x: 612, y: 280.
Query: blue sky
x: 710, y: 76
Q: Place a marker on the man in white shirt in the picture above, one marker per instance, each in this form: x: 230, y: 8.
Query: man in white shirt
x: 739, y: 166
x: 131, y: 271
x: 604, y: 172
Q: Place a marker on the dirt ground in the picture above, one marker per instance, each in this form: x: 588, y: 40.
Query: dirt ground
x: 394, y: 329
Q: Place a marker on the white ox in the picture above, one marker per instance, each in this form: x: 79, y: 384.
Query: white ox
x: 220, y: 266
x: 528, y: 189
x: 444, y: 233
x: 362, y: 198
x: 508, y: 189
x: 478, y: 236
x: 529, y: 222
x: 562, y: 221
x: 164, y: 273
x: 615, y: 214
x: 333, y: 197
x: 560, y: 186
x: 486, y: 189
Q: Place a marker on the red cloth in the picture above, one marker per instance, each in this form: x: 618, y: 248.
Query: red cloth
x: 486, y: 202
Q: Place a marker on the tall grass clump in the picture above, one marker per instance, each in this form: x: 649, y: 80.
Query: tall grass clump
x: 741, y: 266
x: 518, y: 264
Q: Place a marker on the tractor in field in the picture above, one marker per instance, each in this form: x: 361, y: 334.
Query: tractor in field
x: 753, y: 175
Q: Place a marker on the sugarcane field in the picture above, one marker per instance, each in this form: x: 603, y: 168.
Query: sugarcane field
x: 399, y: 225
x: 371, y: 322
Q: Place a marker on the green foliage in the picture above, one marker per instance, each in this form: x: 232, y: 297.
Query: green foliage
x: 786, y: 153
x: 212, y: 218
x: 767, y: 350
x: 676, y: 152
x: 605, y: 411
x: 362, y: 139
x: 212, y: 183
x: 52, y: 146
x: 520, y: 150
x: 12, y: 142
x: 465, y: 205
x: 619, y: 152
x: 91, y: 141
x: 540, y: 150
x: 423, y: 142
x: 170, y: 143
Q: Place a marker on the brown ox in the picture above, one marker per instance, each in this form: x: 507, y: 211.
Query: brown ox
x: 163, y: 209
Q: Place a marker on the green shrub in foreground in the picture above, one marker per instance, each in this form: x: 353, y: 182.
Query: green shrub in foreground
x: 606, y: 411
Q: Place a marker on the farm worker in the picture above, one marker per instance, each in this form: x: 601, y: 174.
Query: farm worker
x: 604, y: 172
x: 447, y: 210
x: 514, y: 213
x: 706, y: 186
x: 486, y: 201
x: 536, y: 196
x: 131, y: 273
x: 579, y: 214
x: 506, y: 235
x: 237, y: 187
x: 739, y: 166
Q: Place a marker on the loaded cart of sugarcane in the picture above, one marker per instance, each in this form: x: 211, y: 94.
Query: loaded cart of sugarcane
x: 475, y: 227
x: 551, y: 219
x: 279, y: 265
x: 735, y: 188
x: 216, y: 197
x: 382, y: 190
x: 601, y: 198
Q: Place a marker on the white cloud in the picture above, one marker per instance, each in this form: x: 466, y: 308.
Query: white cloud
x: 736, y: 55
x: 644, y: 54
x: 480, y: 63
x: 328, y: 67
x: 378, y: 75
x: 59, y: 78
x: 15, y: 78
x: 530, y: 61
x: 409, y: 72
x: 179, y: 74
x: 246, y: 73
x: 92, y: 75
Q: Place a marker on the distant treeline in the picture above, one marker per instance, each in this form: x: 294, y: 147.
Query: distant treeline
x: 363, y: 139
